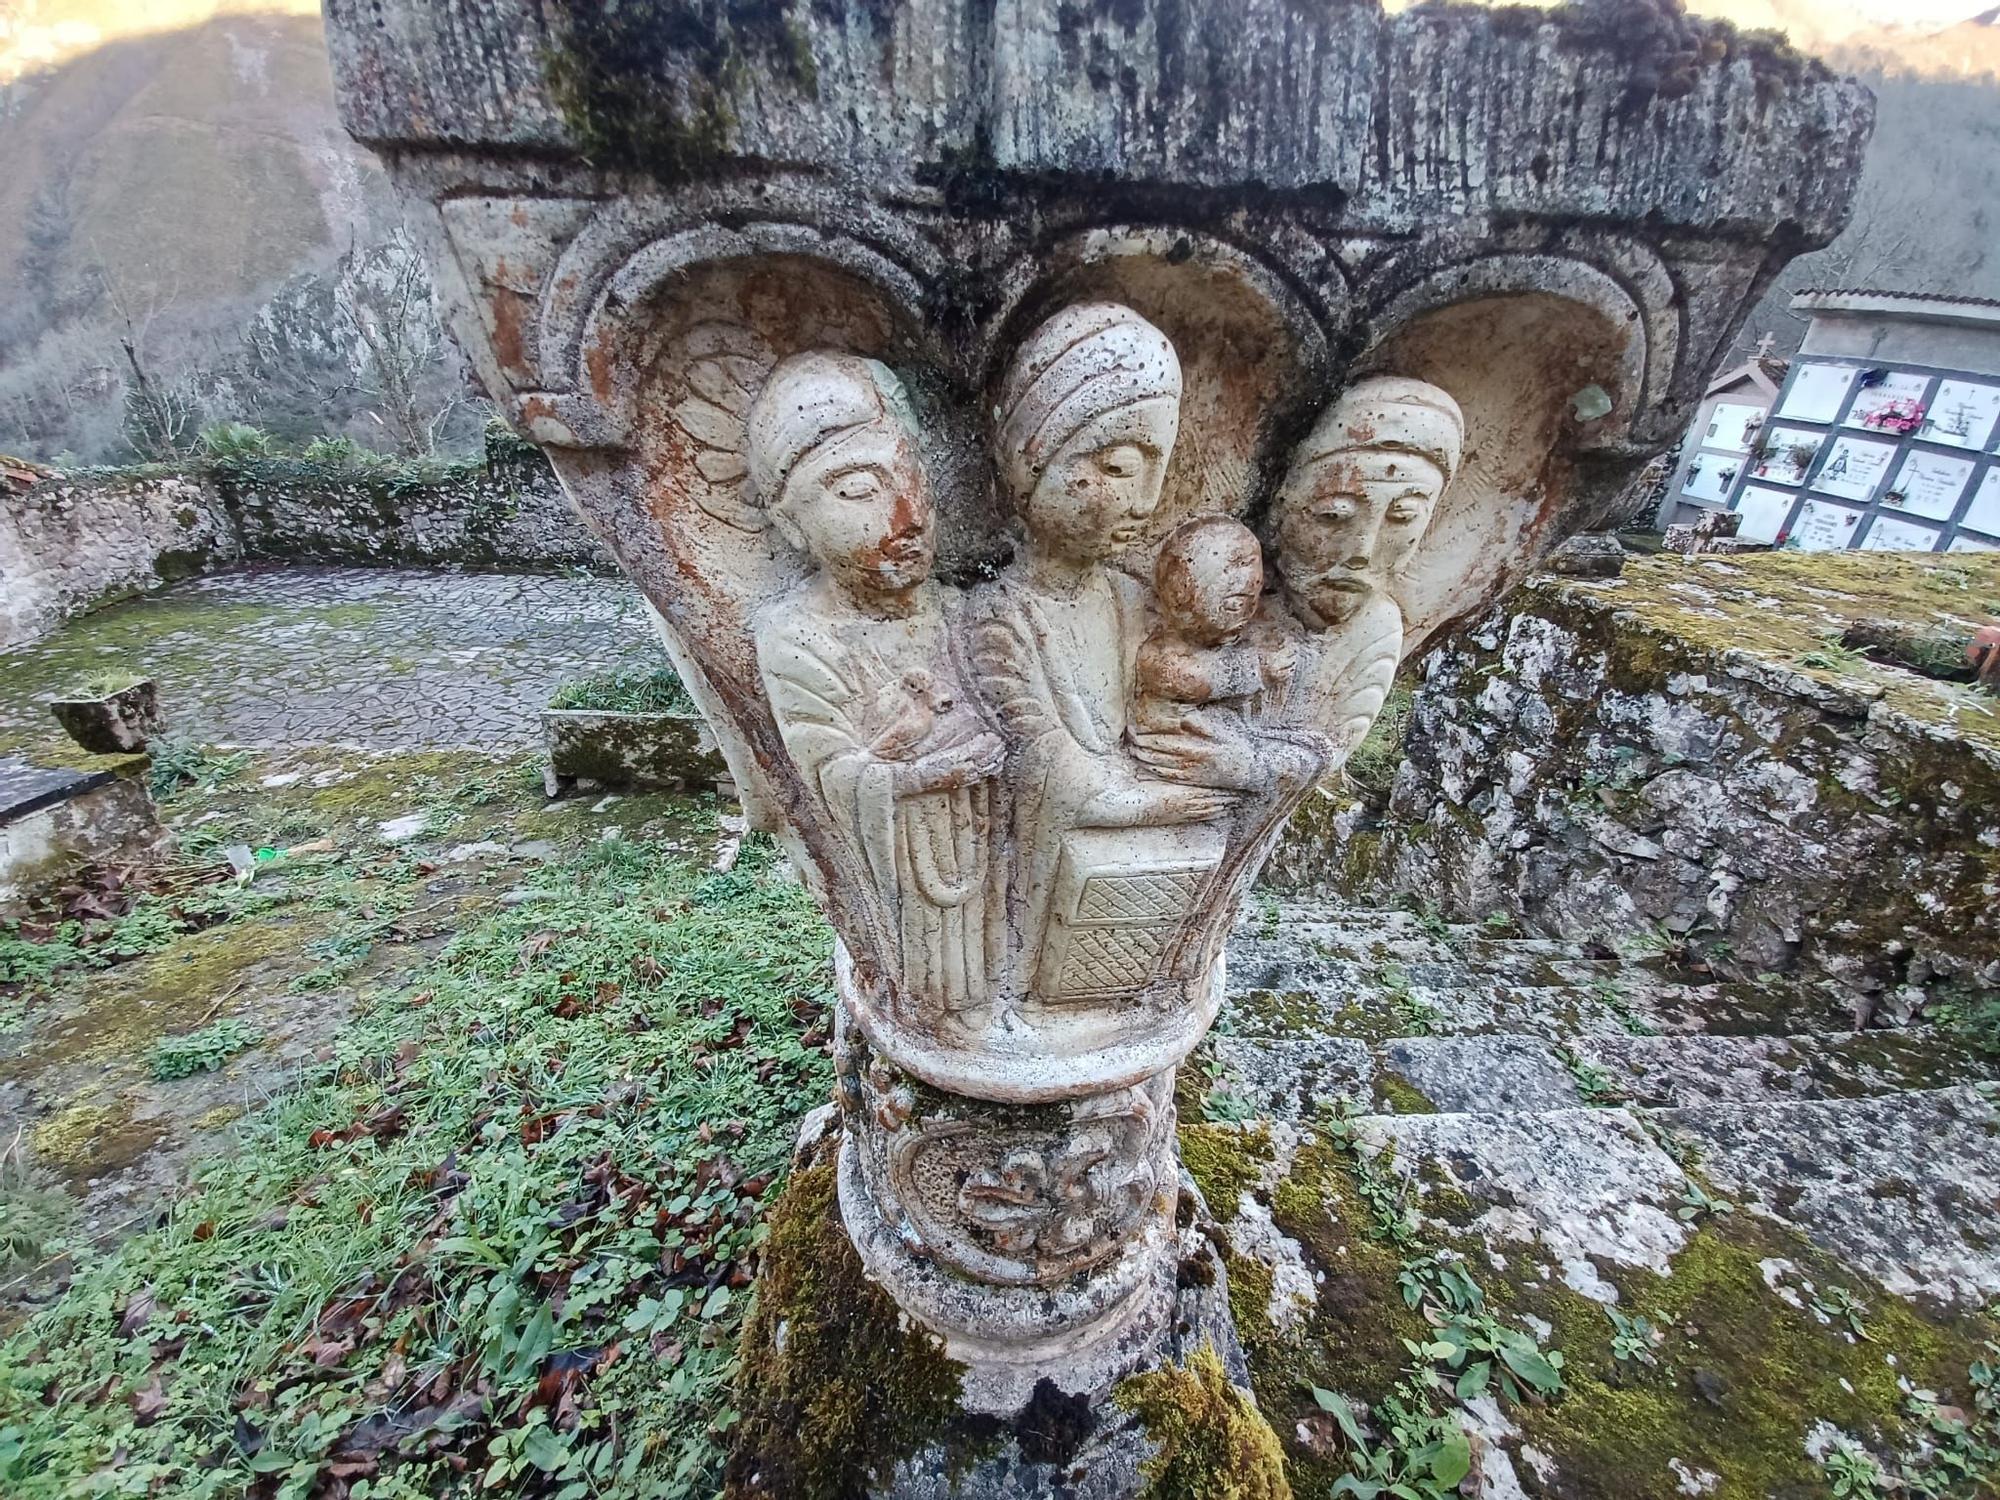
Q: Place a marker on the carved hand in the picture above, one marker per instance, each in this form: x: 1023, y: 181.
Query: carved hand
x: 1200, y: 756
x: 952, y: 767
x: 1140, y: 804
x: 1279, y: 663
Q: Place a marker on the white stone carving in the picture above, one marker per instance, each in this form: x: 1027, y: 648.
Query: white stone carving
x: 1053, y: 787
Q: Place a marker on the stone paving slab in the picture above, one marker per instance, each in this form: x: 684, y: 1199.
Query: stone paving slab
x: 375, y: 659
x: 25, y: 787
x: 1674, y: 1071
x: 1905, y: 1186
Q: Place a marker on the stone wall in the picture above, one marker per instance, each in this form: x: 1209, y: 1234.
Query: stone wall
x: 72, y: 543
x: 1688, y: 757
x: 507, y: 512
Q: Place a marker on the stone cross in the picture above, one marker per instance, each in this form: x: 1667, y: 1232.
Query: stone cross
x: 1043, y: 431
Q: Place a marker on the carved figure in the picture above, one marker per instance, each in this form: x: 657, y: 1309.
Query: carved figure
x: 1355, y: 503
x: 1088, y: 416
x: 1204, y: 665
x: 857, y: 665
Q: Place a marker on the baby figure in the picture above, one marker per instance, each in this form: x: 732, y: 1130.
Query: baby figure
x: 1198, y: 664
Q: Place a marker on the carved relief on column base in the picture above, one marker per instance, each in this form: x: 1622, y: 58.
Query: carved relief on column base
x: 1086, y: 1335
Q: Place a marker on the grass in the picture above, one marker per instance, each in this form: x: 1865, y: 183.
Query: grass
x: 178, y: 763
x: 498, y: 1241
x: 105, y: 683
x: 627, y: 692
x: 1374, y: 762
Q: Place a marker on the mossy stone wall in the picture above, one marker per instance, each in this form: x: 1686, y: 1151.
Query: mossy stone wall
x: 1687, y: 759
x: 77, y: 542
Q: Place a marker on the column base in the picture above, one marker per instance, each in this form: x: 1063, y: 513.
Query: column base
x: 1085, y: 1334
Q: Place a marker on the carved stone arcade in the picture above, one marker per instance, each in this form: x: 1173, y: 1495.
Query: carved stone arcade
x: 1041, y: 464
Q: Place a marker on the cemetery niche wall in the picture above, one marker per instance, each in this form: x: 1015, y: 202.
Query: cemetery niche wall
x: 1885, y: 436
x: 1042, y: 432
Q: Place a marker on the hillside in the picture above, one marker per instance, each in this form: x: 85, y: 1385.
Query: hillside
x: 174, y: 164
x: 171, y: 164
x: 201, y: 159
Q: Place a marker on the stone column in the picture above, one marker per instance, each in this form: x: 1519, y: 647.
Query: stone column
x: 1038, y: 1239
x: 1043, y: 433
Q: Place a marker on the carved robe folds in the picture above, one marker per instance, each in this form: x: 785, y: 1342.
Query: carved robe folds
x: 1045, y: 851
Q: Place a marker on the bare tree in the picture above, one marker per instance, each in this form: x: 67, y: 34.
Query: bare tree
x: 162, y: 411
x: 403, y: 348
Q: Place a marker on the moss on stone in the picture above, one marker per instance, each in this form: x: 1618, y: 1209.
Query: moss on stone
x: 1783, y: 606
x: 1274, y: 1013
x: 1401, y: 1097
x: 1224, y: 1160
x: 1741, y: 1376
x: 1351, y: 1339
x: 64, y: 1140
x: 1250, y: 1287
x: 661, y: 90
x: 833, y: 1384
x: 1214, y: 1445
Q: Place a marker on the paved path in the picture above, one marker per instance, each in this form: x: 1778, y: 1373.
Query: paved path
x: 379, y: 659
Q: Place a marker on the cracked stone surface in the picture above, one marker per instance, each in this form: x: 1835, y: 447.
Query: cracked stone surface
x: 1465, y: 1052
x: 371, y: 659
x: 1908, y: 1187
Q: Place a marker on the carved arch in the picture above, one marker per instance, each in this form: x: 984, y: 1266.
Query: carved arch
x: 1622, y: 280
x: 590, y: 321
x: 1515, y: 337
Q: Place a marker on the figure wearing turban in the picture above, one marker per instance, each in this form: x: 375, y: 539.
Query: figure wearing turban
x: 1355, y: 503
x: 1087, y: 418
x: 857, y: 666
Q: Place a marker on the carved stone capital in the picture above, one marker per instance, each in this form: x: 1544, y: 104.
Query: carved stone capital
x: 1040, y: 484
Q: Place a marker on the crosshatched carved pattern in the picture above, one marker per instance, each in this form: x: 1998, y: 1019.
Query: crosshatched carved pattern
x: 1110, y: 960
x: 1139, y: 900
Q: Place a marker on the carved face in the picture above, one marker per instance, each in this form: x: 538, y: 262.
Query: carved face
x: 861, y: 505
x: 1349, y: 521
x: 1094, y: 498
x: 1209, y: 590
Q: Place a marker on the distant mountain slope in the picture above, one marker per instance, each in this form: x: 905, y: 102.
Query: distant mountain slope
x: 172, y: 162
x: 187, y: 164
x: 1929, y: 207
x: 170, y: 165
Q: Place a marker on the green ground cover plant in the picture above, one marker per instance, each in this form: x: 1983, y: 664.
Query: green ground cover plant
x: 628, y: 692
x: 1410, y: 1446
x: 499, y: 1241
x: 200, y: 1051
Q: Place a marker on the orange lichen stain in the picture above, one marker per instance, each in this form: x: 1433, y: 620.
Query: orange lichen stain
x: 508, y: 345
x: 601, y: 361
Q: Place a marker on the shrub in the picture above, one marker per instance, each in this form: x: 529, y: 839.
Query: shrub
x: 226, y: 441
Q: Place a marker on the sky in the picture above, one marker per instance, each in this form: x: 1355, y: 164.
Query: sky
x: 39, y: 33
x: 1835, y: 18
x: 1913, y: 12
